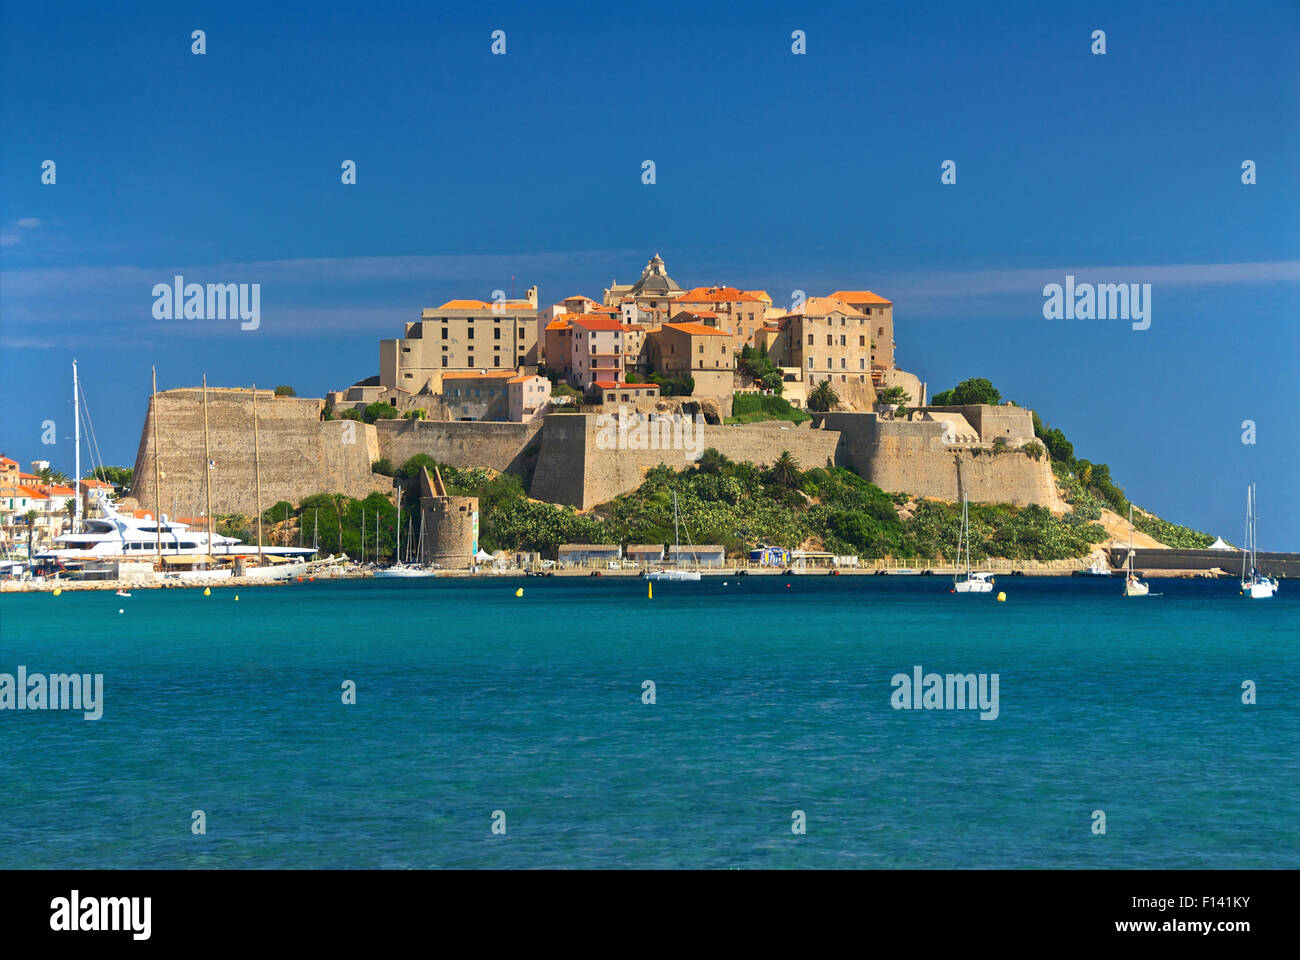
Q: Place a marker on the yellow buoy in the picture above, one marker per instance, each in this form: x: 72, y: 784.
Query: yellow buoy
x: 1002, y: 598
x: 236, y: 596
x: 57, y: 591
x: 650, y: 590
x: 207, y: 591
x: 519, y: 592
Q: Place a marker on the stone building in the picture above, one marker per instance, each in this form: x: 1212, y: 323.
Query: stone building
x: 828, y: 340
x: 694, y: 350
x: 880, y: 320
x: 450, y: 524
x: 478, y: 394
x: 461, y: 335
x: 739, y: 311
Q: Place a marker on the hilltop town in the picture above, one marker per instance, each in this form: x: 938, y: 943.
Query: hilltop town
x: 578, y: 404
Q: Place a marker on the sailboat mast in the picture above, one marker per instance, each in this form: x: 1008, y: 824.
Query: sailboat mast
x: 76, y: 440
x: 397, y: 529
x: 257, y: 474
x: 157, y: 485
x: 207, y: 463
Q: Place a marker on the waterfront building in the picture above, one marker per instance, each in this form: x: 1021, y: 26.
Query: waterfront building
x: 598, y: 553
x: 646, y: 554
x: 704, y: 555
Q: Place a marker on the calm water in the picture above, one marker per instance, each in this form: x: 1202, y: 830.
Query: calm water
x: 769, y: 699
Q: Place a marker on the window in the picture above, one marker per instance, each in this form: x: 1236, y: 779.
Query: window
x: 830, y: 340
x: 496, y: 333
x: 810, y: 363
x: 521, y: 333
x: 406, y: 376
x: 444, y: 333
x: 496, y: 361
x: 701, y: 348
x: 406, y: 349
x: 843, y: 341
x: 862, y: 363
x: 810, y: 339
x: 471, y: 333
x: 880, y: 332
x: 444, y: 358
x: 830, y: 363
x: 470, y: 359
x: 842, y: 364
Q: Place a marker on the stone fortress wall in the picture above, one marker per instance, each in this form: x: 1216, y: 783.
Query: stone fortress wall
x: 568, y: 459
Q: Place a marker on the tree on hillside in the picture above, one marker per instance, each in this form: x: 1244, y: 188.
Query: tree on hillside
x: 894, y: 395
x: 785, y: 470
x: 284, y: 390
x: 974, y: 390
x: 118, y: 476
x: 823, y: 397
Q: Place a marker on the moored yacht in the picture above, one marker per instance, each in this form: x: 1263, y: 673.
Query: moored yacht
x: 119, y: 536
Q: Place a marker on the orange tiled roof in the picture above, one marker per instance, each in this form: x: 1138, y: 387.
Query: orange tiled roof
x: 485, y: 305
x: 559, y: 323
x: 94, y: 483
x: 58, y: 490
x: 699, y: 330
x: 821, y: 306
x: 592, y: 321
x: 28, y: 476
x: 7, y: 460
x: 859, y: 296
x: 31, y: 493
x: 715, y: 295
x: 699, y: 313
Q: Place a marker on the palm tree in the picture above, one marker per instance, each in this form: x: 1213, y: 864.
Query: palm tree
x: 30, y: 517
x: 823, y: 397
x: 785, y: 470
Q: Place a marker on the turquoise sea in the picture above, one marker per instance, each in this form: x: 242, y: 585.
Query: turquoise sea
x: 773, y: 694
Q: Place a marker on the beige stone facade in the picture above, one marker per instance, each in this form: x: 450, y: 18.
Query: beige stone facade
x: 461, y: 335
x: 694, y: 350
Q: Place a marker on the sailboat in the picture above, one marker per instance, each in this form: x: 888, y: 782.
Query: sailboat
x: 400, y: 570
x: 1256, y: 585
x: 1133, y: 587
x: 968, y: 582
x: 674, y: 573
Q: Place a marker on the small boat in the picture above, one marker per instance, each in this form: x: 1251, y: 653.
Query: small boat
x: 1133, y: 586
x: 978, y: 582
x: 1256, y: 586
x: 1098, y: 568
x: 674, y: 573
x: 122, y: 593
x: 404, y: 571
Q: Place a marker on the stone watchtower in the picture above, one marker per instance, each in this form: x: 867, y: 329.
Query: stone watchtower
x: 450, y: 524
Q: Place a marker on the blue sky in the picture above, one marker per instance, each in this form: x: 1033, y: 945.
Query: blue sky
x: 815, y: 172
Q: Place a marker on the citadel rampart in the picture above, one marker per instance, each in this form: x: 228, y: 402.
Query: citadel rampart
x: 302, y: 455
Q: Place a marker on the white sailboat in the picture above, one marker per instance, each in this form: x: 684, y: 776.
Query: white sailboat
x: 968, y: 582
x: 674, y: 573
x: 400, y: 570
x: 1254, y: 585
x: 1133, y: 587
